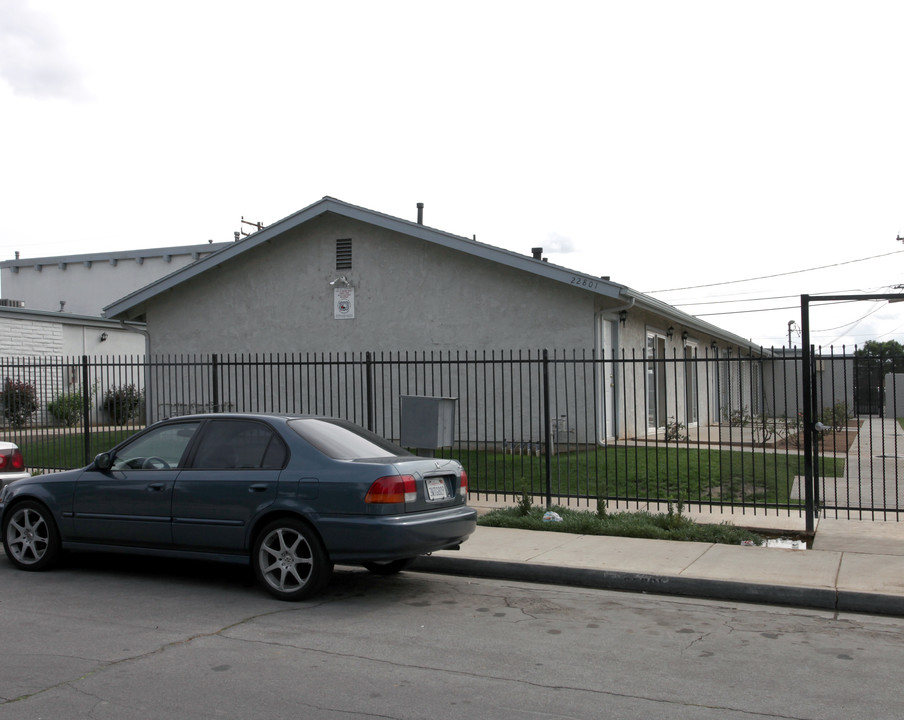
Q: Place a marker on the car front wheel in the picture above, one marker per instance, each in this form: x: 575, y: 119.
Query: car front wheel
x: 30, y: 536
x: 289, y: 560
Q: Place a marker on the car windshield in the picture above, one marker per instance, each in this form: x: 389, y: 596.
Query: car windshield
x: 343, y: 441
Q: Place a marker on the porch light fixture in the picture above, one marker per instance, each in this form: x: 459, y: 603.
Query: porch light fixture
x: 684, y: 336
x: 670, y: 332
x: 103, y: 337
x: 623, y: 317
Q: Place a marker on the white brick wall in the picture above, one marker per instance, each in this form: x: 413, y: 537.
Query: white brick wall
x: 29, y: 338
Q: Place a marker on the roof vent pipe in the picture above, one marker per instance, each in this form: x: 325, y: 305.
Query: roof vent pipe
x: 420, y: 213
x: 537, y: 253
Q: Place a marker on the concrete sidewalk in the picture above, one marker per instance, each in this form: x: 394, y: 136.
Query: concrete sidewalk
x: 854, y: 566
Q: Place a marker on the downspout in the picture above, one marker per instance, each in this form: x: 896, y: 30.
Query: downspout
x: 601, y: 379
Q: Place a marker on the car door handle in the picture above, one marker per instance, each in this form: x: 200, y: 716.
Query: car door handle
x: 157, y: 487
x: 258, y: 487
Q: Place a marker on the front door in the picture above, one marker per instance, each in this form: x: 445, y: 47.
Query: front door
x: 131, y: 504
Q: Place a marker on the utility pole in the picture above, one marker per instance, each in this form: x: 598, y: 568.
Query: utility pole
x: 791, y: 327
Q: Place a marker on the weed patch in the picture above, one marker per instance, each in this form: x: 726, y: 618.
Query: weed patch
x: 670, y: 525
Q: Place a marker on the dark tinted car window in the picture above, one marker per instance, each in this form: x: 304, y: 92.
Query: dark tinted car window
x: 229, y: 444
x: 166, y: 443
x: 342, y: 440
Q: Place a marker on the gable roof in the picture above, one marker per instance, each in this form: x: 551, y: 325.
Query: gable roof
x: 133, y: 306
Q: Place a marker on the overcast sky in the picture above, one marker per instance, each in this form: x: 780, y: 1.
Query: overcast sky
x: 666, y: 144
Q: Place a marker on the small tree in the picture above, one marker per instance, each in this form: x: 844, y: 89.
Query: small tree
x: 123, y: 403
x: 19, y: 402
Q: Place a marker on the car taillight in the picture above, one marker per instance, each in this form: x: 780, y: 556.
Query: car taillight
x: 12, y: 461
x: 463, y: 485
x: 392, y: 489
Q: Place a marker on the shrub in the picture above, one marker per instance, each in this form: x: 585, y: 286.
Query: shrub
x: 67, y: 408
x: 837, y: 416
x: 123, y: 403
x: 675, y: 431
x: 19, y: 401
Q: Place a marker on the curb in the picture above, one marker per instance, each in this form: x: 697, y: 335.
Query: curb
x: 807, y: 597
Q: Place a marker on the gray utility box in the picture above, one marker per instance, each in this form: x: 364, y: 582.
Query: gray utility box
x: 427, y: 422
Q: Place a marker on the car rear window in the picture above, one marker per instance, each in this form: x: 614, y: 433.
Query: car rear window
x: 342, y: 440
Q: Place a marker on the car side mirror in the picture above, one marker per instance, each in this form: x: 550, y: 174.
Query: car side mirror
x: 103, y: 462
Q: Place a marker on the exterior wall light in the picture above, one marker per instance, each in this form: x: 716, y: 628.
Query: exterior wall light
x: 103, y: 337
x: 623, y: 317
x: 670, y: 332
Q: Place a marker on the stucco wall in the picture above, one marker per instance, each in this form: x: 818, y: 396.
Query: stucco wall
x: 409, y: 294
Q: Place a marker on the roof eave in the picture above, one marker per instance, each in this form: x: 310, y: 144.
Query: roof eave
x: 133, y: 305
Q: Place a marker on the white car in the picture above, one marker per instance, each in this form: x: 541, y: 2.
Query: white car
x: 12, y: 464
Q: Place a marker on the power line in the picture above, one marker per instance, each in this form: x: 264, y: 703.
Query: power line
x: 854, y: 324
x: 767, y: 277
x: 877, y: 307
x: 786, y: 307
x: 678, y: 303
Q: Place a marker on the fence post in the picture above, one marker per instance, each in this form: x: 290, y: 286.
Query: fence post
x: 215, y: 380
x: 806, y: 359
x: 814, y: 415
x: 546, y: 428
x: 369, y: 388
x: 86, y: 409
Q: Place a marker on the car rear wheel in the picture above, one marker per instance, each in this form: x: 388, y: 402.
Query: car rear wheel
x: 391, y: 567
x: 289, y: 560
x: 30, y: 536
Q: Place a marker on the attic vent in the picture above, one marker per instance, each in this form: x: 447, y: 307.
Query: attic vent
x: 344, y: 254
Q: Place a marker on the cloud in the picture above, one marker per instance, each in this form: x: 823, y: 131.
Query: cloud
x: 33, y: 59
x: 558, y: 244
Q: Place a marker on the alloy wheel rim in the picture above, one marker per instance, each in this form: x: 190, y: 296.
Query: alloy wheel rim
x: 27, y: 536
x: 285, y: 560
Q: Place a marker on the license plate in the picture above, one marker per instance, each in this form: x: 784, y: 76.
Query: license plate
x: 436, y: 489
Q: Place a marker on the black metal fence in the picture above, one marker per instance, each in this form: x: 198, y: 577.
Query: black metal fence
x: 718, y: 429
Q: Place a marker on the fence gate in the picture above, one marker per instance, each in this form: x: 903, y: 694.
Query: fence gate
x: 869, y: 384
x: 872, y: 486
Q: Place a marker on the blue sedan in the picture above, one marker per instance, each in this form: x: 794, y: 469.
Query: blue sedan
x: 290, y: 494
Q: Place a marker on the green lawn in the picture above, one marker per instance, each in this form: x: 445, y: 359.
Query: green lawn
x: 65, y: 451
x: 640, y: 473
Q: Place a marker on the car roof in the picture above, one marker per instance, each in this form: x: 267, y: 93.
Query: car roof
x: 250, y: 416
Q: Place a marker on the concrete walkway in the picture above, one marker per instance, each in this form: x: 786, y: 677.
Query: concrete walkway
x: 874, y: 471
x: 854, y: 566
